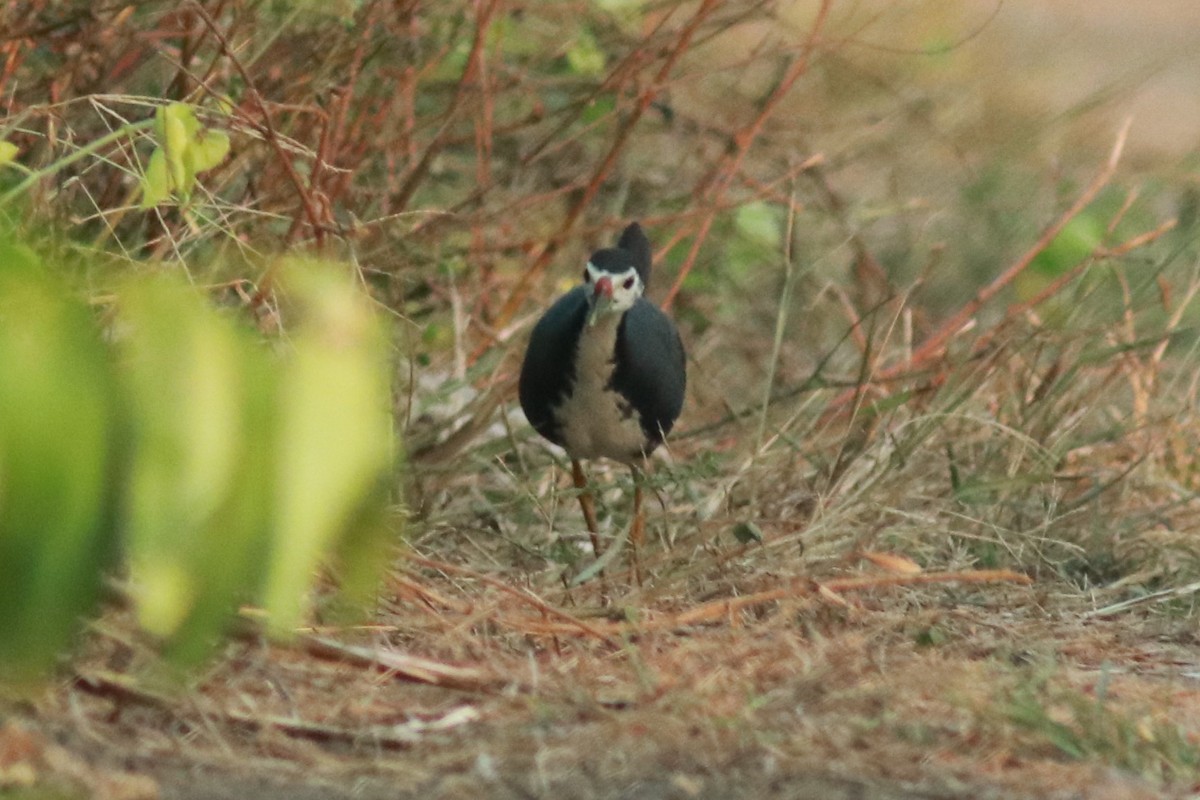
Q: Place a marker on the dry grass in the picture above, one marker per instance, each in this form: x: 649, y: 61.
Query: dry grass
x: 977, y: 507
x: 934, y: 605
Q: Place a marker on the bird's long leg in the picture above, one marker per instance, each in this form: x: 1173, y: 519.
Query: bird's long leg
x: 587, y: 503
x: 637, y: 528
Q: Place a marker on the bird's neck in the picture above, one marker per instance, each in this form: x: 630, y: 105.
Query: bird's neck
x: 596, y: 349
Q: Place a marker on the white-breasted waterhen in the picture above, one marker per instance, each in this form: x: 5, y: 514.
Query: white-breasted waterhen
x: 604, y: 375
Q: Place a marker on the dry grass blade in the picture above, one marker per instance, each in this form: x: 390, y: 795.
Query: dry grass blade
x: 718, y: 609
x: 401, y: 735
x: 728, y: 608
x: 123, y: 688
x: 404, y: 666
x: 525, y: 597
x: 430, y: 596
x: 1163, y: 595
x: 892, y: 562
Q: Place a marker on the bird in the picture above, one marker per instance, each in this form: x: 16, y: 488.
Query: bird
x: 605, y: 373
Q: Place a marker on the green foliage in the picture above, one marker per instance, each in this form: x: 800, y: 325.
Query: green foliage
x: 760, y: 223
x: 334, y: 446
x: 227, y: 467
x: 601, y: 107
x: 8, y: 152
x: 183, y: 150
x: 199, y: 392
x: 1078, y: 239
x: 751, y: 238
x: 59, y: 434
x: 754, y: 238
x: 747, y: 533
x: 1075, y: 242
x: 584, y: 57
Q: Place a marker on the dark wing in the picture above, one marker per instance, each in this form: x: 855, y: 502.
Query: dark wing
x: 651, y: 371
x: 547, y: 372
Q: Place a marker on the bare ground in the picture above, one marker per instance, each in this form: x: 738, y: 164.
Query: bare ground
x: 899, y: 694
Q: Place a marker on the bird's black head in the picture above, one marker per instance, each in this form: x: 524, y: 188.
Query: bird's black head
x: 618, y: 275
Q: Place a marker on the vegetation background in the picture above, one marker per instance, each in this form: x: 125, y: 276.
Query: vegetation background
x: 928, y: 525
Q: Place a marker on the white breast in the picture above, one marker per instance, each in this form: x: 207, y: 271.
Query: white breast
x: 595, y: 420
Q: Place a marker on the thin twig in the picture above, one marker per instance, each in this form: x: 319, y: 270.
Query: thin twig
x: 726, y: 608
x: 405, y: 666
x: 743, y: 139
x: 935, y: 344
x: 525, y: 597
x: 517, y: 297
x: 267, y: 129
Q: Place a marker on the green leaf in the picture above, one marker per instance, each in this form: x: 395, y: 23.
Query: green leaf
x: 233, y: 469
x: 335, y: 438
x: 585, y: 57
x: 1075, y: 242
x: 761, y: 223
x: 757, y: 236
x: 210, y: 150
x: 59, y: 429
x: 156, y: 185
x: 184, y: 150
x: 8, y: 152
x: 177, y: 123
x: 182, y: 373
x: 618, y: 6
x: 599, y: 108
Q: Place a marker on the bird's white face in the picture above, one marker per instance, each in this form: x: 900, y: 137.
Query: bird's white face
x: 611, y: 293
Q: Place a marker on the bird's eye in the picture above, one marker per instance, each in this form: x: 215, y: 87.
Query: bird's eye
x: 628, y: 284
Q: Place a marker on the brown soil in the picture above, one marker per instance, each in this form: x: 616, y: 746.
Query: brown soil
x: 902, y: 693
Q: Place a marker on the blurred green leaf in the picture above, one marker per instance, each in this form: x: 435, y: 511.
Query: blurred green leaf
x: 755, y: 236
x: 599, y: 108
x: 58, y: 470
x: 619, y: 6
x: 931, y: 636
x: 452, y: 65
x: 510, y: 36
x: 584, y: 56
x: 1075, y: 242
x: 1078, y: 239
x: 181, y: 370
x: 250, y: 467
x: 8, y: 152
x: 233, y: 470
x: 335, y: 437
x: 747, y: 532
x: 761, y: 223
